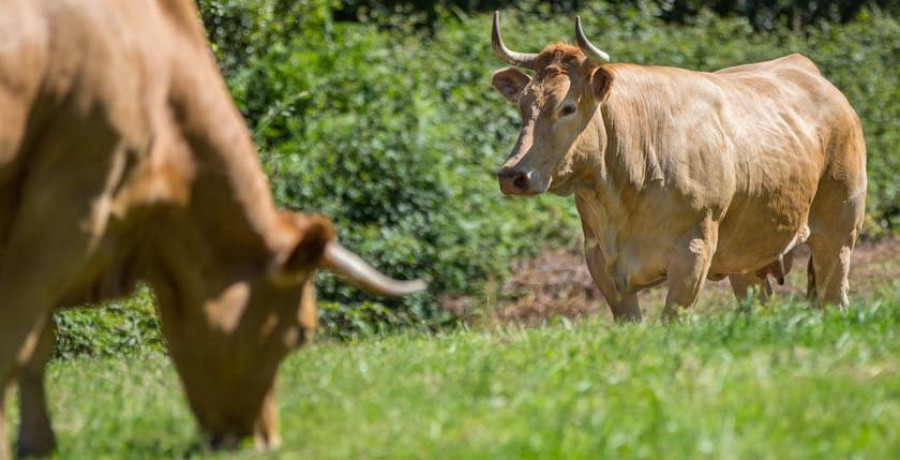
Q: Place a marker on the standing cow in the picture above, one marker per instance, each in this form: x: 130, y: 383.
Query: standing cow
x: 681, y: 176
x: 123, y: 158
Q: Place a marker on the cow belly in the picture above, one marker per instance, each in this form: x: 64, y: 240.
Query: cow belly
x: 756, y: 233
x: 770, y: 208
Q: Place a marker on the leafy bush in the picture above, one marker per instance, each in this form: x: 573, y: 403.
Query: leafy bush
x: 767, y: 15
x: 121, y: 328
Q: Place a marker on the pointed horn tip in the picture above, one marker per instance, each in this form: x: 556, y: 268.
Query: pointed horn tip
x: 363, y: 276
x: 403, y: 288
x: 415, y: 286
x: 525, y: 60
x: 586, y: 45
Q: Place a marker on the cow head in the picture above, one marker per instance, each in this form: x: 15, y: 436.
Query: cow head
x: 229, y: 325
x: 556, y: 106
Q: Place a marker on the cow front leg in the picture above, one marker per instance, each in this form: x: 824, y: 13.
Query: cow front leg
x: 41, y: 257
x: 20, y: 331
x: 624, y: 306
x: 686, y: 271
x: 36, y: 438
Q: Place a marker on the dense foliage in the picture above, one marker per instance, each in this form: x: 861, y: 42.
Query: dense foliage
x: 762, y: 15
x: 396, y: 133
x: 121, y: 328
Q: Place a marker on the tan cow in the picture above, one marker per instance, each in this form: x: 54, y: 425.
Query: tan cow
x: 122, y: 158
x: 681, y: 176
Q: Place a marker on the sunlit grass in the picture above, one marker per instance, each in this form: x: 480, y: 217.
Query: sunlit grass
x: 784, y: 382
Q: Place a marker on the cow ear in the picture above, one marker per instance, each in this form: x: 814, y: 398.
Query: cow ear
x: 601, y: 83
x: 509, y: 82
x: 315, y: 234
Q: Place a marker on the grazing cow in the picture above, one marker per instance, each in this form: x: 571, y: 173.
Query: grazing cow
x: 681, y: 176
x: 122, y: 158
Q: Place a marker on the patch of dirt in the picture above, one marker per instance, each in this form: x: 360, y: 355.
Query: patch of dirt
x: 557, y: 284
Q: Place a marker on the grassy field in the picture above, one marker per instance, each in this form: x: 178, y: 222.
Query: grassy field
x: 784, y: 382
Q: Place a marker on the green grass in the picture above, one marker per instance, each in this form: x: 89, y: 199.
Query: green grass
x: 782, y: 383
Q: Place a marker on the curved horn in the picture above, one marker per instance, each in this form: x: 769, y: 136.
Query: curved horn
x: 361, y: 275
x: 592, y: 51
x: 510, y: 57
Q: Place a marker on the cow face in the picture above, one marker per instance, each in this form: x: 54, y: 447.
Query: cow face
x: 557, y: 107
x: 229, y: 323
x: 228, y: 333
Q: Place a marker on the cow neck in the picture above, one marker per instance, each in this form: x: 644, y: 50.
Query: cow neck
x: 617, y: 167
x: 630, y: 156
x: 230, y: 197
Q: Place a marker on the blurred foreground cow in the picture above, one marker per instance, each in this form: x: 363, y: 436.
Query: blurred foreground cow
x: 682, y: 176
x: 122, y: 158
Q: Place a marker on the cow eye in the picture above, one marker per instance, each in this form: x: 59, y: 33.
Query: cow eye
x: 567, y: 110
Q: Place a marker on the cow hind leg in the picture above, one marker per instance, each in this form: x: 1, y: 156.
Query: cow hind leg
x: 748, y: 287
x: 835, y: 218
x: 835, y: 221
x: 830, y: 267
x: 36, y: 438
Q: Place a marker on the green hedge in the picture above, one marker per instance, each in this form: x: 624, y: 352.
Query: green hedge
x: 396, y: 133
x: 124, y: 328
x: 762, y: 15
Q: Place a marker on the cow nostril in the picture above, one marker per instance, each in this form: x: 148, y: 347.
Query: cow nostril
x: 521, y: 182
